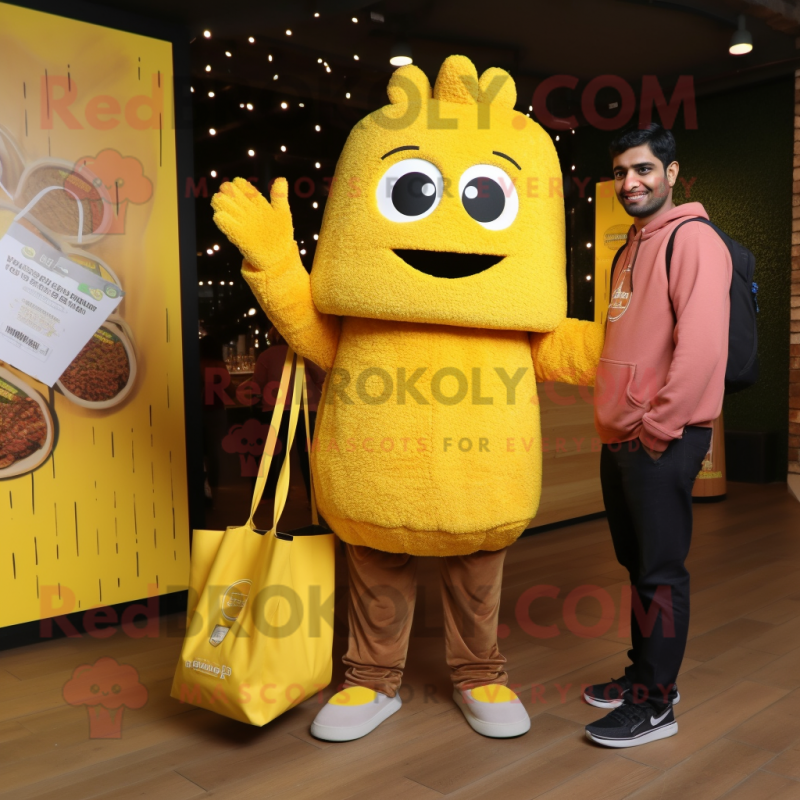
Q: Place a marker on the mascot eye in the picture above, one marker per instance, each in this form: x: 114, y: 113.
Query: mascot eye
x: 409, y: 190
x: 94, y: 688
x: 116, y: 688
x: 489, y: 196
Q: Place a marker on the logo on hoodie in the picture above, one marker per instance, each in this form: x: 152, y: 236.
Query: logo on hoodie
x: 621, y: 296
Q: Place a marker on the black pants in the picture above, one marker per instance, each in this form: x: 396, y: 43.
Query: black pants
x: 649, y: 506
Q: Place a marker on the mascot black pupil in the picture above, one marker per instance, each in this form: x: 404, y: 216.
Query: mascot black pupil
x: 413, y: 194
x: 484, y: 199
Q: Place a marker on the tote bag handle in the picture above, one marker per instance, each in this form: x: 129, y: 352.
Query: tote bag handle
x: 299, y: 394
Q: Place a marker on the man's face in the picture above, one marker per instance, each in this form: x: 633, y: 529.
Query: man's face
x: 640, y: 181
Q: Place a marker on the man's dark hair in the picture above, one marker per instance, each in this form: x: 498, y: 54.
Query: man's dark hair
x: 661, y: 142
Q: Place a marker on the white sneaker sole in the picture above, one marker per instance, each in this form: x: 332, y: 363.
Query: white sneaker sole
x: 593, y: 701
x: 651, y: 736
x: 494, y: 730
x: 341, y: 733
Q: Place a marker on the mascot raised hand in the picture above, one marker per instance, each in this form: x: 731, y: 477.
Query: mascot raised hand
x: 437, y: 298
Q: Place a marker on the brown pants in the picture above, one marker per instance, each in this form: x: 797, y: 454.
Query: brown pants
x: 383, y: 588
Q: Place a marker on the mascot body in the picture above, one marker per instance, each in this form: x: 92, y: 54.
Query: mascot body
x: 436, y: 300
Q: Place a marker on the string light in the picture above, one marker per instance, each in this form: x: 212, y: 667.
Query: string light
x: 355, y: 19
x: 302, y: 252
x: 573, y: 166
x: 211, y: 94
x: 288, y: 32
x: 316, y: 236
x: 319, y: 61
x: 216, y: 247
x: 316, y: 13
x: 200, y: 284
x: 251, y: 312
x: 355, y: 58
x: 283, y: 148
x: 251, y: 152
x: 212, y: 131
x: 317, y: 164
x: 347, y: 95
x: 315, y: 204
x: 284, y: 105
x: 228, y: 53
x: 207, y: 34
x: 275, y: 76
x: 557, y: 138
x: 588, y: 244
x: 210, y: 251
x: 222, y: 283
x: 327, y: 69
x: 230, y: 283
x: 588, y: 277
x: 302, y: 105
x: 208, y: 67
x: 269, y: 57
x: 251, y: 40
x: 249, y: 106
x: 317, y: 128
x: 192, y: 88
x: 590, y: 199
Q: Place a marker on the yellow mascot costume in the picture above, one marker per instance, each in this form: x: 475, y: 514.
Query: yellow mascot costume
x: 436, y: 300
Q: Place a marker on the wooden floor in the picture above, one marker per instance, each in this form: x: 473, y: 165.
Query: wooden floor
x: 739, y: 715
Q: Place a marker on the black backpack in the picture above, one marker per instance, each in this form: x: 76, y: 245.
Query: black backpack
x: 742, y: 369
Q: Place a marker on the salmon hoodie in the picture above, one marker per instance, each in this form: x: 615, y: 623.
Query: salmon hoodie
x: 666, y: 346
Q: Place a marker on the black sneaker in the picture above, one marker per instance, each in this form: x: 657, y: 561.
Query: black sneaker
x: 632, y: 724
x: 612, y: 695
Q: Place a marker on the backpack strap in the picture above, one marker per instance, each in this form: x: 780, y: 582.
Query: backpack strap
x: 613, y: 267
x: 671, y: 242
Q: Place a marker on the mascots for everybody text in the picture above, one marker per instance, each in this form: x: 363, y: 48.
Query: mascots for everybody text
x: 436, y: 300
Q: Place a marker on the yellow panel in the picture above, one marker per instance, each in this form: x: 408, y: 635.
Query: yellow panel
x: 104, y: 519
x: 610, y: 232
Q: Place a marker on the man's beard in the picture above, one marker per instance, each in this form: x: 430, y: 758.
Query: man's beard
x: 654, y: 203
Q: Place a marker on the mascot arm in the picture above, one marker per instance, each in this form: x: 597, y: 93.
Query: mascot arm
x: 262, y: 230
x: 570, y: 353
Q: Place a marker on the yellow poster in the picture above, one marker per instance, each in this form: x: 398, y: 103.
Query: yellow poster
x: 612, y: 223
x: 93, y: 490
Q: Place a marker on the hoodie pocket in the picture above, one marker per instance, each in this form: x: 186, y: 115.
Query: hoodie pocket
x: 617, y: 413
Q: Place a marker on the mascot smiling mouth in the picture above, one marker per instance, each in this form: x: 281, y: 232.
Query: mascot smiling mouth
x: 441, y: 264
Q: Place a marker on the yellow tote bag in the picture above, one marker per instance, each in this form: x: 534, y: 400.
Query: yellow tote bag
x: 259, y: 632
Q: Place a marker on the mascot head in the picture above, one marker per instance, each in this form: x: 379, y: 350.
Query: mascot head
x: 446, y: 207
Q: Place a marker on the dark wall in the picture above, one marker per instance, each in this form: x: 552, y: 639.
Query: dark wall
x: 741, y: 158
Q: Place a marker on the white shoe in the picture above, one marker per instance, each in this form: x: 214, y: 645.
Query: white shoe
x: 352, y: 713
x: 494, y: 711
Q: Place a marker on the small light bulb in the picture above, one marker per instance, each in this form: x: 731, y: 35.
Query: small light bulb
x: 347, y: 95
x: 288, y: 32
x: 251, y: 312
x: 327, y: 69
x: 241, y: 105
x: 210, y: 251
x: 211, y: 94
x: 222, y: 283
x: 200, y: 284
x: 315, y: 204
x: 302, y: 105
x: 302, y: 252
x: 249, y: 106
x: 316, y: 236
x: 588, y: 244
x: 275, y: 76
x: 317, y: 164
x: 319, y: 61
x: 191, y: 88
x: 355, y: 19
x: 530, y: 108
x: 269, y: 57
x: 590, y: 199
x: 208, y: 67
x: 573, y: 166
x: 355, y: 58
x: 317, y: 128
x: 207, y: 34
x: 251, y: 40
x: 588, y: 277
x: 316, y: 13
x: 251, y: 152
x: 228, y: 53
x: 212, y: 131
x: 284, y: 105
x: 557, y: 138
x: 256, y: 331
x: 216, y: 247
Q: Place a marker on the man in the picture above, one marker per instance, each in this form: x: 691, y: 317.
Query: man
x: 660, y: 385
